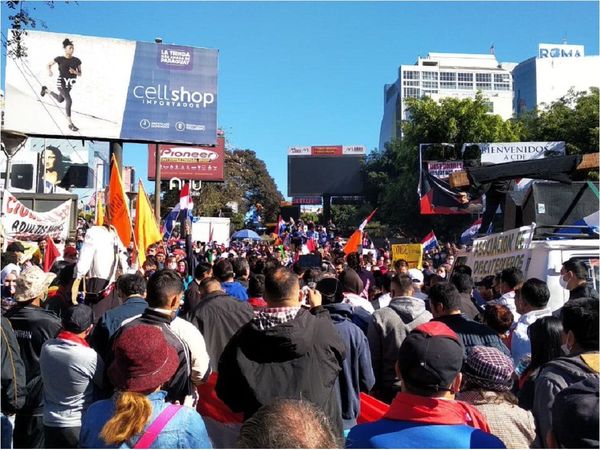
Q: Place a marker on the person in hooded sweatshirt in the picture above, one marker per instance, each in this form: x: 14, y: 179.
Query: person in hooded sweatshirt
x: 285, y: 351
x: 388, y: 329
x: 357, y: 371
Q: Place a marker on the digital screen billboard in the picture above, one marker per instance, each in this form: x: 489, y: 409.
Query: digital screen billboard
x: 100, y: 88
x: 318, y: 170
x: 188, y: 163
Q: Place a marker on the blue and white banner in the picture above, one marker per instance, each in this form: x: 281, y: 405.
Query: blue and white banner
x: 90, y: 87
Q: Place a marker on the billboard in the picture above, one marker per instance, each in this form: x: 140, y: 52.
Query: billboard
x: 325, y: 169
x: 100, y: 88
x: 47, y: 165
x: 438, y: 197
x: 502, y: 152
x: 188, y: 163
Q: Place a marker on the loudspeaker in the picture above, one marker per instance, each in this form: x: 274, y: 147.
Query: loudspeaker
x: 288, y: 212
x: 559, y: 204
x: 21, y: 176
x: 77, y: 175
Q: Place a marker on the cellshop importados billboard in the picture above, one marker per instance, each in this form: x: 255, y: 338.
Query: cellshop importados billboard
x: 100, y: 88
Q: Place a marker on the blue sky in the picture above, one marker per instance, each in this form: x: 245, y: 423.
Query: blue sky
x: 312, y: 73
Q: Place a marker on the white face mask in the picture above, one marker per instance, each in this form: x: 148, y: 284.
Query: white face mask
x: 566, y: 350
x: 563, y: 283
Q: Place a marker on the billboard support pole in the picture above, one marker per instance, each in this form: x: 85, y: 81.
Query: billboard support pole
x: 116, y: 148
x: 326, y: 207
x: 157, y: 183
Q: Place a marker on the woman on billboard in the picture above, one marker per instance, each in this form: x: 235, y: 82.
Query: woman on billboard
x: 69, y: 68
x: 53, y: 165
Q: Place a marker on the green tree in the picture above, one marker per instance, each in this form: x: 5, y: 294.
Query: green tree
x: 572, y: 118
x: 392, y: 174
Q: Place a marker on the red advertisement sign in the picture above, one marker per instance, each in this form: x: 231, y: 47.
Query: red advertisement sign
x: 188, y: 162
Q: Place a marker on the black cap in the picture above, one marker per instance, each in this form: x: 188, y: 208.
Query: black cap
x: 575, y: 415
x: 487, y: 282
x: 15, y: 247
x: 430, y: 358
x: 77, y: 318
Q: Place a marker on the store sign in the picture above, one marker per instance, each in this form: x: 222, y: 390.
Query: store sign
x: 24, y: 224
x: 328, y: 150
x: 560, y: 51
x: 188, y: 163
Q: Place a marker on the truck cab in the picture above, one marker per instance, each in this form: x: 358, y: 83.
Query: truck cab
x: 539, y: 252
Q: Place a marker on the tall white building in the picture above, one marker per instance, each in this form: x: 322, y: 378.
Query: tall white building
x: 442, y: 75
x: 548, y: 76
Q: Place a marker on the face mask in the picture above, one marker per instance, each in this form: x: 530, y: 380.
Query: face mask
x: 172, y: 266
x: 566, y: 350
x: 563, y: 283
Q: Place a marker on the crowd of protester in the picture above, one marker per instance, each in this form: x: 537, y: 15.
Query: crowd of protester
x: 287, y: 340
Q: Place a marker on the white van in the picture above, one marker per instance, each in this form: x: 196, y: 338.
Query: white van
x: 538, y: 252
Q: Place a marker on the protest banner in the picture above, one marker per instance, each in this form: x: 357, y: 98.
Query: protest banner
x: 411, y: 253
x: 23, y: 224
x: 491, y: 254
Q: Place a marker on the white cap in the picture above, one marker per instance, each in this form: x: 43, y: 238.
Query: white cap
x: 415, y: 275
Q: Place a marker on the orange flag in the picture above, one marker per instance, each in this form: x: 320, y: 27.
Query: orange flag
x: 146, y: 230
x: 118, y: 212
x: 353, y: 242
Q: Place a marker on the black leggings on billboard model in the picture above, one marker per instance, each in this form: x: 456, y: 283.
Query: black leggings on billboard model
x: 64, y: 95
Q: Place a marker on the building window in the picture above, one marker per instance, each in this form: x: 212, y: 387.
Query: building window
x: 429, y: 91
x: 484, y: 86
x: 430, y: 84
x: 449, y: 85
x: 447, y: 76
x: 412, y: 82
x: 501, y: 86
x: 465, y: 76
x: 465, y: 85
x: 411, y: 75
x: 483, y: 77
x: 412, y: 92
x: 430, y: 76
x: 501, y: 78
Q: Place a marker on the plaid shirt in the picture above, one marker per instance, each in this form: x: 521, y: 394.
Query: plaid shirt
x: 267, y: 318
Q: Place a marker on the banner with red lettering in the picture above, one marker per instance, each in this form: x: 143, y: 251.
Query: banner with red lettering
x: 24, y: 224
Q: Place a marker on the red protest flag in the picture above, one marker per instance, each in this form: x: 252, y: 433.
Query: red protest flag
x: 50, y: 255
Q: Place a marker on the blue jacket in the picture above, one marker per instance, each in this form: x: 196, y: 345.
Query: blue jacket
x: 111, y: 321
x: 185, y: 430
x: 386, y: 433
x: 357, y: 370
x: 235, y: 289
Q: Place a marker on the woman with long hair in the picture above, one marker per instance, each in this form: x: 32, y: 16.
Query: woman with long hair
x: 53, y: 166
x: 545, y: 335
x: 69, y: 69
x: 137, y: 415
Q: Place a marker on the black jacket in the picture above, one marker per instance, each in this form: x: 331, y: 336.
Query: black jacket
x: 33, y: 326
x: 473, y: 333
x: 13, y: 371
x: 300, y: 359
x: 111, y: 321
x: 218, y: 317
x: 180, y: 384
x: 191, y: 299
